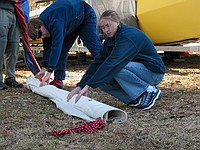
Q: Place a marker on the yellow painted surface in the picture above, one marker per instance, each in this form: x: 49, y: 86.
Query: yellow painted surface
x: 167, y: 21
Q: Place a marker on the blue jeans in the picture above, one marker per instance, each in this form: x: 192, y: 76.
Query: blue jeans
x: 89, y: 34
x: 131, y: 82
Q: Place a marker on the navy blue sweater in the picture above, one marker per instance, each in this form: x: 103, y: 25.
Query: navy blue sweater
x: 128, y: 44
x: 60, y: 18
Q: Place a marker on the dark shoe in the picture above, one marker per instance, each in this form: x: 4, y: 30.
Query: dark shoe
x: 137, y: 101
x: 3, y: 86
x: 57, y: 83
x: 150, y: 98
x: 11, y: 82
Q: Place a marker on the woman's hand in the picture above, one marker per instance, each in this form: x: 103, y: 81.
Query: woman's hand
x: 79, y: 93
x: 73, y: 92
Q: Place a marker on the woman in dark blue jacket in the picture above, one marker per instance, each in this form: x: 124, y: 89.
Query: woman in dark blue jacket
x: 128, y: 67
x: 59, y: 25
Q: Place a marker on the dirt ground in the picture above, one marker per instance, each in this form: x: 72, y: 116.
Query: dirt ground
x: 27, y: 119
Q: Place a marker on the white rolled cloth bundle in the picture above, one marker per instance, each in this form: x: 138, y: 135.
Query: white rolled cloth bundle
x: 86, y: 108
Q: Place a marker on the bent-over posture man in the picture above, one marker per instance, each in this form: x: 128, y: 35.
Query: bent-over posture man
x: 59, y: 25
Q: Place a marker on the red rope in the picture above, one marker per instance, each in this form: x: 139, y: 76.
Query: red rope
x: 23, y: 25
x: 88, y: 127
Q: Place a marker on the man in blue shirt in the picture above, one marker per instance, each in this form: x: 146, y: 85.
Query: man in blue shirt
x: 59, y: 25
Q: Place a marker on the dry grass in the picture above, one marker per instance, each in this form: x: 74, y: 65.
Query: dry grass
x: 26, y: 119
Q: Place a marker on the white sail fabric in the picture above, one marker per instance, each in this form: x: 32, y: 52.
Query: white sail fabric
x: 126, y: 9
x: 36, y: 13
x: 86, y: 108
x: 123, y: 7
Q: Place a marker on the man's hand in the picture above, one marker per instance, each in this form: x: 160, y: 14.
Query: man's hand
x: 46, y: 79
x: 79, y: 93
x: 41, y: 74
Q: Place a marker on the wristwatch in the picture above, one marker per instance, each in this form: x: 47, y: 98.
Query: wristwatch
x: 50, y: 69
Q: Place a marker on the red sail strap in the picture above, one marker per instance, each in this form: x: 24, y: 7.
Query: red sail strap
x: 23, y: 25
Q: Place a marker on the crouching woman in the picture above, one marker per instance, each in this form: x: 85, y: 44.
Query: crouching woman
x: 128, y: 67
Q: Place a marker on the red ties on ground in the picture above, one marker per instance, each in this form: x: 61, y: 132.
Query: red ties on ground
x: 88, y: 127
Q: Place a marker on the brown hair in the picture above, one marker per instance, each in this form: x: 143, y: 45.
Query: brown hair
x: 111, y: 14
x: 33, y: 27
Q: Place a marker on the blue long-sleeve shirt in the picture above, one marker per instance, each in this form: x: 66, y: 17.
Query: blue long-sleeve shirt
x: 60, y: 18
x: 128, y: 44
x: 26, y: 9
